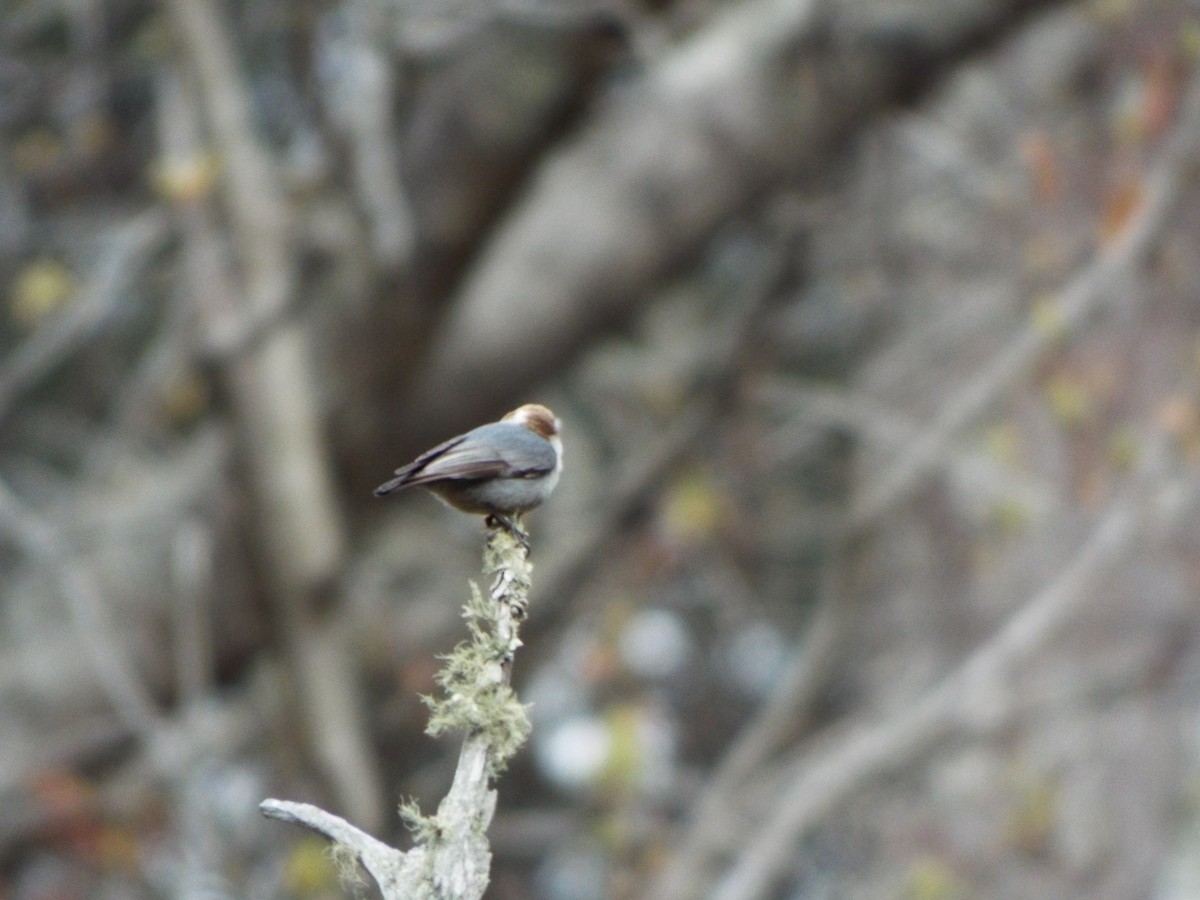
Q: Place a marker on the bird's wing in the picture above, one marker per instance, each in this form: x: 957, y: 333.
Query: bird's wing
x: 499, y: 450
x: 410, y: 473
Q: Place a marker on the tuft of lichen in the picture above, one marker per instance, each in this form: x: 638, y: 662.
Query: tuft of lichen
x: 424, y: 829
x: 475, y: 694
x: 349, y: 873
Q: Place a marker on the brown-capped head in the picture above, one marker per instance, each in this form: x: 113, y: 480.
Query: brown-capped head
x: 537, y: 418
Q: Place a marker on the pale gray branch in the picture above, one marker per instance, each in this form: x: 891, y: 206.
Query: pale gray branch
x: 1087, y: 292
x: 360, y: 88
x: 974, y: 697
x: 89, y: 615
x: 452, y: 858
x: 385, y: 864
x: 131, y: 244
x: 884, y: 746
x: 760, y: 94
x: 274, y: 394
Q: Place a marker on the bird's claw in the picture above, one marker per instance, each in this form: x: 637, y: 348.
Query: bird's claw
x: 511, y: 526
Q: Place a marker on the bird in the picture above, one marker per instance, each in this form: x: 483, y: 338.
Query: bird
x: 499, y: 470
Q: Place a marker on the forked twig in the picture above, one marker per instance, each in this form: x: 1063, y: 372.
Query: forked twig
x: 452, y: 857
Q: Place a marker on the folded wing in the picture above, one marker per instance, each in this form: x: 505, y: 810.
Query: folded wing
x: 499, y: 450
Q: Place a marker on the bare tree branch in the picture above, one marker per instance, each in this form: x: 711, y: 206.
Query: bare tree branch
x: 385, y: 864
x: 1078, y: 301
x: 789, y: 703
x: 452, y: 858
x: 929, y: 449
x: 298, y: 519
x: 760, y: 94
x: 128, y: 248
x: 93, y: 628
x: 360, y: 88
x: 963, y: 701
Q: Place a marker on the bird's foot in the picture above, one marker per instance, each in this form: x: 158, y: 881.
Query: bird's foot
x: 509, y: 523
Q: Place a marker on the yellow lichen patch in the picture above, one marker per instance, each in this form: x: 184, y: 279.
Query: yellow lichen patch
x: 185, y: 179
x: 40, y: 288
x: 692, y: 507
x: 308, y: 870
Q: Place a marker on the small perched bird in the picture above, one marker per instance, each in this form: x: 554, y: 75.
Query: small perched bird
x: 499, y: 470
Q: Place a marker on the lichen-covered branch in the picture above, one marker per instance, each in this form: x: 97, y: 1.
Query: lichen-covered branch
x: 451, y: 859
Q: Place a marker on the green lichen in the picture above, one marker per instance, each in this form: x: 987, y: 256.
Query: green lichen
x: 475, y: 695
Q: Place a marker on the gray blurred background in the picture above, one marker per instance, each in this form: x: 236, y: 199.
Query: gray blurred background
x: 875, y: 332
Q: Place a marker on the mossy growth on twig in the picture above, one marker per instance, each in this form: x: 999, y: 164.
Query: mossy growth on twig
x: 451, y: 858
x: 424, y: 829
x: 475, y: 694
x: 349, y: 872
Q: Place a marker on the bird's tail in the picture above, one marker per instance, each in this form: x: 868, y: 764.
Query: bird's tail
x: 394, y: 485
